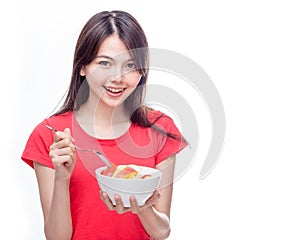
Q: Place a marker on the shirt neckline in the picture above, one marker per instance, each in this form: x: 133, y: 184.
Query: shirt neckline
x: 109, y: 141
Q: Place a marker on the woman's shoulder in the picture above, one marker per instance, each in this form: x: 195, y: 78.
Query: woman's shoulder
x: 37, y: 146
x: 159, y: 117
x: 61, y: 116
x: 58, y: 122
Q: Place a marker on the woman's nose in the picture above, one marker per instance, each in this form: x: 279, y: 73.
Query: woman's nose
x: 118, y: 76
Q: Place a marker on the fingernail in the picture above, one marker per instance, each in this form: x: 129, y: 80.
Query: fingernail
x: 117, y: 197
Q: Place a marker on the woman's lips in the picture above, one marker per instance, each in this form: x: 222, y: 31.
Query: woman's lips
x: 113, y: 91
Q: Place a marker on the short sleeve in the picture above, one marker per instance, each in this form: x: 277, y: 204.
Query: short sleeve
x: 170, y: 144
x: 37, y: 146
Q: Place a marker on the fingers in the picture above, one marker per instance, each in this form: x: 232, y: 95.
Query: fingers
x: 63, y: 156
x: 104, y: 197
x: 66, y: 134
x: 134, y: 205
x: 153, y: 199
x: 135, y: 208
x: 62, y: 151
x: 119, y: 207
x: 62, y: 140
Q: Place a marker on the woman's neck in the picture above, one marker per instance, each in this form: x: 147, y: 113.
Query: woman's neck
x: 103, y: 121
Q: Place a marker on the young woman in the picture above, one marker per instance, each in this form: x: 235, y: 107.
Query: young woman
x: 104, y: 110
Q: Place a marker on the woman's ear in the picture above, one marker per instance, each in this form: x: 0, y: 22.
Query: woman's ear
x: 82, y: 72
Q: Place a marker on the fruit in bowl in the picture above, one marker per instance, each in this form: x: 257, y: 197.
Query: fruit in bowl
x: 125, y: 171
x: 128, y: 180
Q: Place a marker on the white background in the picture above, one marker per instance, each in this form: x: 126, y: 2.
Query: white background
x: 251, y: 51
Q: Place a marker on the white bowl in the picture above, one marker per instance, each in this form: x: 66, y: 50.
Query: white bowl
x: 141, y: 189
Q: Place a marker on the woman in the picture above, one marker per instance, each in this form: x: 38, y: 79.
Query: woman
x: 104, y: 109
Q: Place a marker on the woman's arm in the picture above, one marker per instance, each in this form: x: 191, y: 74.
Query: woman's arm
x: 155, y: 214
x: 55, y: 201
x: 54, y: 188
x: 156, y: 219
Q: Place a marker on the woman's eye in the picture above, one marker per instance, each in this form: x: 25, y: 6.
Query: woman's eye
x: 130, y: 66
x: 104, y: 64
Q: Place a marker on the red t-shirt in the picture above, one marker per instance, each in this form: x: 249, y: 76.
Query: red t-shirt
x: 142, y: 146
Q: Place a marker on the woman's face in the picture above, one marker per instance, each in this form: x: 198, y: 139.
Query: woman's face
x: 112, y: 76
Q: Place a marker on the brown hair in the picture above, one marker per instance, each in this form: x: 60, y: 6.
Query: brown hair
x: 95, y: 31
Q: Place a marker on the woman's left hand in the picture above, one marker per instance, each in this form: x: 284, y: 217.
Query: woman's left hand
x: 134, y: 208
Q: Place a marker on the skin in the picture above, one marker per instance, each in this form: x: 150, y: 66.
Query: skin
x: 111, y: 69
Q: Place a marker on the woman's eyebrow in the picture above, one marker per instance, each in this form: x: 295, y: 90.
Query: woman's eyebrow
x: 112, y: 59
x: 105, y: 56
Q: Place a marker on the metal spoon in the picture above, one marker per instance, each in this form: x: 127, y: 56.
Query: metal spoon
x: 99, y: 154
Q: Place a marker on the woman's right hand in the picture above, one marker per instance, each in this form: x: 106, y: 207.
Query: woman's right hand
x: 62, y: 153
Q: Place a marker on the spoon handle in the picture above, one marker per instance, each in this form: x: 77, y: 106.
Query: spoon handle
x: 99, y: 154
x: 103, y: 158
x: 51, y: 128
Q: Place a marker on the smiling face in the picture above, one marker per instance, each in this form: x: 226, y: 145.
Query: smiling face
x: 112, y: 75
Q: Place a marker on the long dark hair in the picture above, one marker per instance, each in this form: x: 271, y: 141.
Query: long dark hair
x: 95, y: 31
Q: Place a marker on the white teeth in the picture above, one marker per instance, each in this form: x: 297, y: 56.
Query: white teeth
x: 114, y: 90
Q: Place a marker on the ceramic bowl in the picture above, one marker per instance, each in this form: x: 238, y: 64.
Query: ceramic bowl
x: 141, y: 189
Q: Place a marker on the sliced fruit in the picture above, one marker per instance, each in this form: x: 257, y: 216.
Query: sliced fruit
x: 109, y: 171
x: 146, y: 176
x: 126, y: 172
